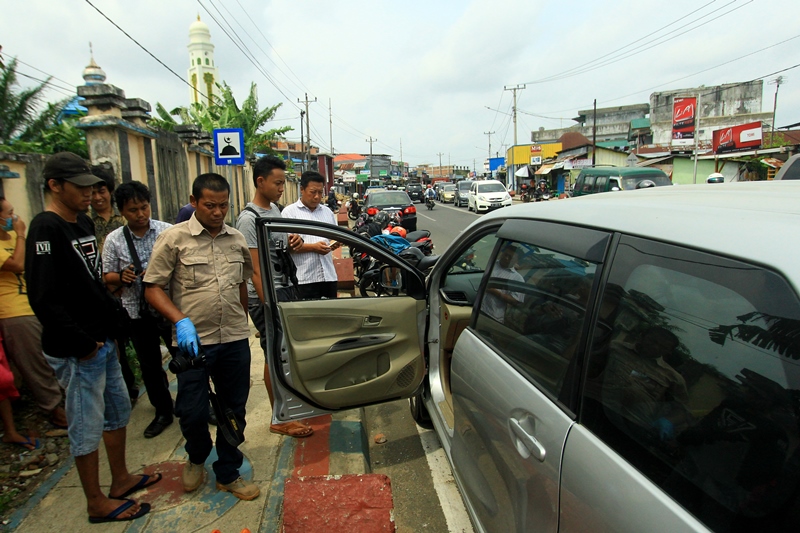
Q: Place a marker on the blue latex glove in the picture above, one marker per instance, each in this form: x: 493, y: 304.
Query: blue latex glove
x: 188, y: 341
x: 666, y: 431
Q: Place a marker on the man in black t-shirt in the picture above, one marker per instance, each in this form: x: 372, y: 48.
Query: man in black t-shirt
x: 77, y: 313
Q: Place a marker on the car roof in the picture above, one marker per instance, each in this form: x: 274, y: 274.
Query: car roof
x: 752, y: 221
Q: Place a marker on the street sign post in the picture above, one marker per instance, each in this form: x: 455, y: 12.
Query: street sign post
x: 229, y: 146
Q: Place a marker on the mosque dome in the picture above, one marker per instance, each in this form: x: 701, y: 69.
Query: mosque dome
x: 198, y: 31
x: 93, y: 74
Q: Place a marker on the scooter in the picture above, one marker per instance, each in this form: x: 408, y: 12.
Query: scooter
x: 354, y: 208
x: 429, y: 203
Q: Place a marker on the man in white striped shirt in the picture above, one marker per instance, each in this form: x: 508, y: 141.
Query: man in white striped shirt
x: 316, y: 274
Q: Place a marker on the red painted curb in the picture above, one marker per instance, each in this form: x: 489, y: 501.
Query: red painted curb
x: 312, y: 454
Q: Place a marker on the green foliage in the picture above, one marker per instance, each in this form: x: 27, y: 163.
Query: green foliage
x: 22, y: 129
x: 226, y: 113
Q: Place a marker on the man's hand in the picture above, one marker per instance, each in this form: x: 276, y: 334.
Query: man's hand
x: 320, y: 248
x: 128, y: 275
x: 295, y: 242
x: 188, y: 341
x: 94, y: 352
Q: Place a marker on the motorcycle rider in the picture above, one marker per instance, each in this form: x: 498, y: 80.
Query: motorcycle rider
x: 430, y: 194
x: 541, y: 189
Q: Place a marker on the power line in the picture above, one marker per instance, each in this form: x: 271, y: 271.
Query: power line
x: 145, y: 49
x: 21, y: 62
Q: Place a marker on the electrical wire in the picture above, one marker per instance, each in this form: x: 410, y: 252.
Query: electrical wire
x: 146, y: 50
x: 21, y: 62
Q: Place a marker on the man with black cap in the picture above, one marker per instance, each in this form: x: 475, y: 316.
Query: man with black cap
x: 78, y: 317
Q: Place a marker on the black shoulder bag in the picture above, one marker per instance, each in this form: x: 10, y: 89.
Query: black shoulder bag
x: 285, y: 267
x: 146, y: 311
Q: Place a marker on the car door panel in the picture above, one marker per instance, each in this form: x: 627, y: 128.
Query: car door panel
x: 364, y: 356
x: 600, y: 488
x: 507, y: 441
x: 333, y: 354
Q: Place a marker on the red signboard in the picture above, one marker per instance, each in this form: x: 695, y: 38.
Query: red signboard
x: 684, y: 111
x: 737, y: 138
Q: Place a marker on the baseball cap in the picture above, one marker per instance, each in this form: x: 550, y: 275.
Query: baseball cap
x: 69, y: 167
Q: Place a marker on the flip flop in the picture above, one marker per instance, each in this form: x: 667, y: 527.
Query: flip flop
x: 144, y: 508
x: 144, y: 482
x: 28, y: 442
x: 288, y: 428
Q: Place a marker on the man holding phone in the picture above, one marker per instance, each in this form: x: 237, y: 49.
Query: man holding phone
x: 133, y: 201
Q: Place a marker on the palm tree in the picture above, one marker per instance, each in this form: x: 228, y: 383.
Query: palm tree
x: 18, y: 116
x: 224, y: 112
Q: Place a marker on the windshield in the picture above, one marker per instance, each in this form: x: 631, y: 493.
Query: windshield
x: 491, y: 187
x: 464, y: 185
x: 389, y: 198
x: 449, y: 187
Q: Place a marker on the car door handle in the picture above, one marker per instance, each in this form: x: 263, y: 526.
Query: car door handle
x: 528, y: 441
x: 360, y: 342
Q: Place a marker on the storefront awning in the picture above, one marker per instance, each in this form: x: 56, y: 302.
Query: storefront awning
x: 544, y: 170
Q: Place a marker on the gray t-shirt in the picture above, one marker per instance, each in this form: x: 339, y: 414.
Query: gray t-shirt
x: 246, y: 223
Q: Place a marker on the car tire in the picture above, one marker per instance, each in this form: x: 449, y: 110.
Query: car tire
x: 419, y: 412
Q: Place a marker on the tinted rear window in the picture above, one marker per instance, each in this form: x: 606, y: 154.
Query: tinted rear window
x: 491, y: 187
x: 629, y: 181
x: 464, y: 185
x: 389, y: 198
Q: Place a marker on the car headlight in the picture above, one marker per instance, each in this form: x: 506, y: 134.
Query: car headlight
x: 482, y: 198
x: 507, y: 197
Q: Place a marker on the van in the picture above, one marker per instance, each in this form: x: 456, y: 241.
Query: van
x: 486, y: 195
x: 594, y: 180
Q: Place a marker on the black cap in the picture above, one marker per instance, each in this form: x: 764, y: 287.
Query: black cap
x: 69, y: 167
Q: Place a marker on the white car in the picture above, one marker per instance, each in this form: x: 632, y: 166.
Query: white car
x: 618, y: 362
x: 487, y: 195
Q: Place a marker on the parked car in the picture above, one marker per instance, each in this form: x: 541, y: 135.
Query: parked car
x: 790, y: 170
x: 462, y: 192
x: 393, y: 202
x: 487, y: 195
x: 415, y: 192
x: 448, y: 193
x: 641, y: 375
x: 605, y: 179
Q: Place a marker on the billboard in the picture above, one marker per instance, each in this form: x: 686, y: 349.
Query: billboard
x: 684, y: 111
x: 536, y: 154
x: 737, y: 138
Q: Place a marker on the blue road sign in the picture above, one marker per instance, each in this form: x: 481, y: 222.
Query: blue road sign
x: 229, y: 146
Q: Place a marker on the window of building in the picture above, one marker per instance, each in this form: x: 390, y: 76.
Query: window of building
x: 206, y: 61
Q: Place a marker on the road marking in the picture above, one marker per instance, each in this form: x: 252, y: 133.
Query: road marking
x: 455, y: 514
x: 426, y: 216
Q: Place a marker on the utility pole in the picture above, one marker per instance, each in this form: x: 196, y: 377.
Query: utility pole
x: 594, y: 133
x: 514, y: 113
x: 302, y: 114
x: 440, y: 154
x: 370, y: 141
x: 308, y: 128
x: 778, y: 82
x: 696, y: 136
x: 330, y: 122
x: 490, y: 133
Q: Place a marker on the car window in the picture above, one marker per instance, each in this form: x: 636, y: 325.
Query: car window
x: 463, y: 278
x: 464, y: 185
x: 397, y: 198
x: 694, y: 378
x: 630, y: 182
x: 533, y: 310
x: 588, y: 183
x: 600, y: 184
x: 491, y: 187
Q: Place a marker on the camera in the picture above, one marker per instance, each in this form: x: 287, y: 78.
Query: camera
x: 183, y: 362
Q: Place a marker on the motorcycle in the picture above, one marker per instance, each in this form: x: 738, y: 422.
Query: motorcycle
x: 429, y: 202
x: 353, y: 208
x: 369, y: 285
x: 542, y: 195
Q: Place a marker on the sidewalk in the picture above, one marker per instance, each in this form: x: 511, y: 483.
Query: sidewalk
x: 337, y: 447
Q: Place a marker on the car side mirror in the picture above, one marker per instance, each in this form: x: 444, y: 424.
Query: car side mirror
x: 391, y: 277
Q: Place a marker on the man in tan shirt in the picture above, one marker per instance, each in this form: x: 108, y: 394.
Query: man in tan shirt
x: 205, y: 264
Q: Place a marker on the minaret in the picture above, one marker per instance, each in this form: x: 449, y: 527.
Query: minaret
x: 203, y: 74
x: 93, y: 74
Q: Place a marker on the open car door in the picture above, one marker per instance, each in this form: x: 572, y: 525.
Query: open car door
x: 328, y: 355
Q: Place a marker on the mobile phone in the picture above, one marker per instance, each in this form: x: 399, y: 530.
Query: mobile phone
x: 334, y: 245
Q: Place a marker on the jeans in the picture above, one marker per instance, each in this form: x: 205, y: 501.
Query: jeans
x: 228, y: 365
x: 146, y: 338
x: 256, y: 310
x: 97, y: 399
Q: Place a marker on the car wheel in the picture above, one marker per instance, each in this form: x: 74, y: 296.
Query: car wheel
x: 419, y: 412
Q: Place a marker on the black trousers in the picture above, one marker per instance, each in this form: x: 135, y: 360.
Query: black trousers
x: 146, y: 338
x: 228, y: 365
x: 317, y: 291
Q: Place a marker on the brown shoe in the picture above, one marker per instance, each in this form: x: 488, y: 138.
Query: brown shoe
x: 244, y: 490
x: 192, y: 476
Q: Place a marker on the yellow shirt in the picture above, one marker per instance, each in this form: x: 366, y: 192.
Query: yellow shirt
x: 13, y: 292
x: 203, y: 274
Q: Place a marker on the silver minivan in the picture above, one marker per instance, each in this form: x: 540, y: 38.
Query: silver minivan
x: 594, y: 365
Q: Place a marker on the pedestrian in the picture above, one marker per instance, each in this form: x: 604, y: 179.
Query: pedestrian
x: 205, y: 264
x: 9, y: 392
x: 79, y: 320
x: 315, y: 271
x: 124, y: 270
x: 21, y: 331
x: 269, y: 178
x: 185, y: 213
x: 104, y: 213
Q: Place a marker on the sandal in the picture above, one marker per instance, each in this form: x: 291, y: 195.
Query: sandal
x: 292, y: 429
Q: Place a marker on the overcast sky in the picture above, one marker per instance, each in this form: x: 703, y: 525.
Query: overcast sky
x: 420, y: 73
